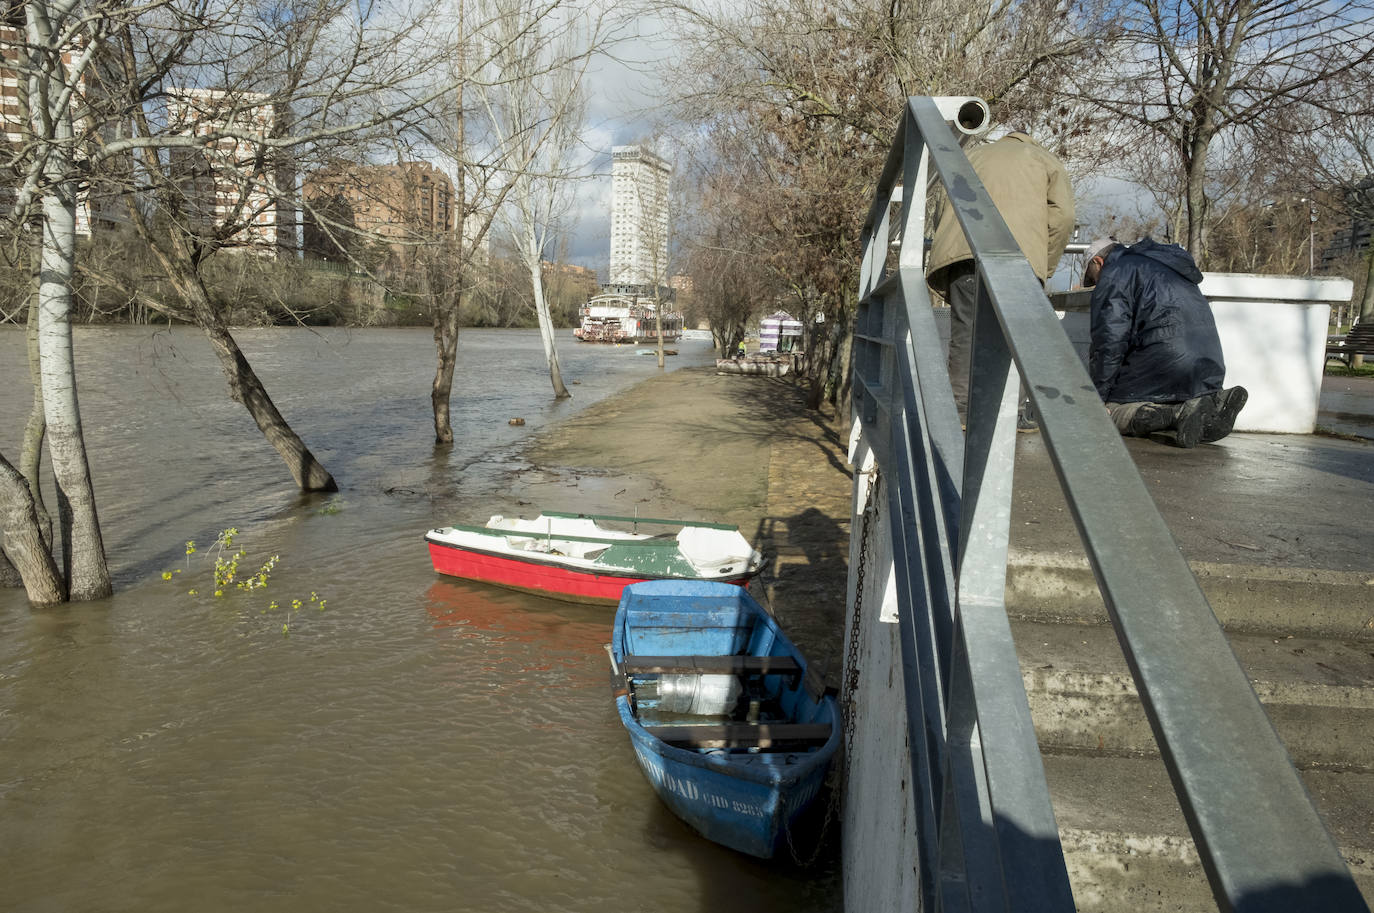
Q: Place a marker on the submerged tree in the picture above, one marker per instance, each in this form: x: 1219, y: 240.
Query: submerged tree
x: 537, y: 112
x: 283, y: 81
x: 51, y: 68
x: 166, y: 107
x: 497, y: 45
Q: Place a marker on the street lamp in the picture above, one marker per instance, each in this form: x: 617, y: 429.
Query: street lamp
x: 1311, y: 235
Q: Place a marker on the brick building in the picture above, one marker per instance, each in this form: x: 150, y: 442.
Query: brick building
x: 350, y: 207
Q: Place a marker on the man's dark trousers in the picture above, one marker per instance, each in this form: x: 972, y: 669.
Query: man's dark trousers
x: 963, y: 304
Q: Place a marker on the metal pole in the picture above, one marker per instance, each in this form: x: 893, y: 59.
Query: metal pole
x: 1311, y: 239
x: 1311, y: 234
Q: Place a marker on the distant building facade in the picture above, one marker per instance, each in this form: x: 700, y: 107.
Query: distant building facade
x: 348, y: 205
x: 1354, y: 239
x: 480, y: 248
x: 224, y: 183
x: 13, y: 49
x: 639, y: 216
x: 582, y: 273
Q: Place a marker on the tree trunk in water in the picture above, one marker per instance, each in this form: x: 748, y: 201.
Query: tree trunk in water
x: 244, y: 385
x: 24, y: 543
x: 658, y: 324
x: 446, y: 315
x: 541, y: 309
x: 31, y: 454
x: 83, y: 552
x: 446, y: 348
x: 246, y: 388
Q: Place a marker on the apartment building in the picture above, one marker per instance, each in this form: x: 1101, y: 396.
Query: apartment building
x: 225, y: 181
x: 639, y: 217
x: 12, y: 50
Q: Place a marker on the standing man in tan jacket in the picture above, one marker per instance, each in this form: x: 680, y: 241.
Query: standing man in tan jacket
x: 1031, y: 190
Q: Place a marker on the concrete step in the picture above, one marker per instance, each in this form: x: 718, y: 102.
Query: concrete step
x: 1128, y: 848
x: 1304, y: 602
x: 1319, y: 692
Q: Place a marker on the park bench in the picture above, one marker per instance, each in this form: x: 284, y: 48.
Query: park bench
x: 1359, y: 341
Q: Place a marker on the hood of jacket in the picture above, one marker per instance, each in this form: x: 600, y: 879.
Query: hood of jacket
x: 1170, y: 255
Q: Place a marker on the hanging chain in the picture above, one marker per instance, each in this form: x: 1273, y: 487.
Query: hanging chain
x: 848, y: 698
x: 851, y: 680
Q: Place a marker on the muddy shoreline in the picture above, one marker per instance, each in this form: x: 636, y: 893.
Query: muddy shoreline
x: 698, y: 445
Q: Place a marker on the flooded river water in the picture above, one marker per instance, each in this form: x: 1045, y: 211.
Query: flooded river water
x: 419, y: 745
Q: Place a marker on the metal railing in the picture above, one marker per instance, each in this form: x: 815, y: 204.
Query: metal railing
x: 986, y: 828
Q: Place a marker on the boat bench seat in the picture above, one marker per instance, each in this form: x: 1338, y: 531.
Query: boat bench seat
x: 744, y: 735
x: 710, y: 665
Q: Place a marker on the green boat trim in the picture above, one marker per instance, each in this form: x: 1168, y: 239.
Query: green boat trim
x: 666, y: 541
x: 651, y: 520
x: 649, y: 562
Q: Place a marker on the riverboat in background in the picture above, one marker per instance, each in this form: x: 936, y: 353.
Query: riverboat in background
x: 622, y: 316
x: 574, y: 557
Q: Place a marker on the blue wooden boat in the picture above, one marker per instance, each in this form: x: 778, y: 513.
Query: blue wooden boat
x: 727, y: 726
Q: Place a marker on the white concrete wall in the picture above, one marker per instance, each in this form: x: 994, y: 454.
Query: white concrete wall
x: 879, y: 830
x: 1273, y: 334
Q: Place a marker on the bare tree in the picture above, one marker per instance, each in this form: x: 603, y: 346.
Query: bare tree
x: 537, y: 113
x: 1188, y: 75
x: 88, y: 121
x: 496, y: 45
x: 208, y: 159
x: 53, y: 76
x: 805, y: 98
x: 1335, y: 155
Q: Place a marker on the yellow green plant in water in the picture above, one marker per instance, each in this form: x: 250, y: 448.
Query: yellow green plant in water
x: 226, y: 575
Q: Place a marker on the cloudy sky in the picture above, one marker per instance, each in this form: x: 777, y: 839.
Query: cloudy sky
x: 624, y: 96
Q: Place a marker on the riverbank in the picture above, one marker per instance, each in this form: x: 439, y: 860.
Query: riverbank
x: 697, y: 445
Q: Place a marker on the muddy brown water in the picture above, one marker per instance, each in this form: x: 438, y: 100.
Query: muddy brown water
x: 421, y: 744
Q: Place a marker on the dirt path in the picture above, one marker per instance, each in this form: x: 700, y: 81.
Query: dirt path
x: 745, y: 450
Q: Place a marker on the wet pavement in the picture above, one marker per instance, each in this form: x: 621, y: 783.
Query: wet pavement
x: 1278, y: 527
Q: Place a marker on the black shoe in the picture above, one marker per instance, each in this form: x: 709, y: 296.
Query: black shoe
x: 1193, y: 416
x: 1152, y: 417
x: 1227, y: 405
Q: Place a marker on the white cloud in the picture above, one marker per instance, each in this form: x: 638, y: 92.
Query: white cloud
x: 625, y: 94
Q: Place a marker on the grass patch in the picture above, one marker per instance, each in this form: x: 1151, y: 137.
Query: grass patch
x: 1340, y: 370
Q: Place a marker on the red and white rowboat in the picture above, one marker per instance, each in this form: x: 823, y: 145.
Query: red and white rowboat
x: 574, y: 557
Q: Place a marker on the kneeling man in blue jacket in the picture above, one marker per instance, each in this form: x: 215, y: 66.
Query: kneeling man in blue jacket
x: 1155, y: 357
